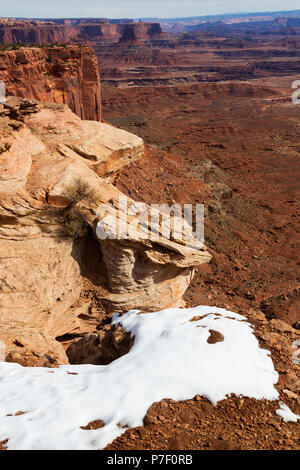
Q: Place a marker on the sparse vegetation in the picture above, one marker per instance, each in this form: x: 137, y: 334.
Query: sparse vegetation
x: 18, y: 45
x: 79, y: 190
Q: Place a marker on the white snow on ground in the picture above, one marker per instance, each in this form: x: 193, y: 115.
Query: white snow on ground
x: 170, y: 358
x: 286, y: 414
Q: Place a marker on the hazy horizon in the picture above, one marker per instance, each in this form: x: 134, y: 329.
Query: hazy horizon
x: 154, y: 17
x: 160, y: 9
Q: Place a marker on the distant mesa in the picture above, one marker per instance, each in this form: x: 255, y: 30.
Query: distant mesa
x: 66, y: 74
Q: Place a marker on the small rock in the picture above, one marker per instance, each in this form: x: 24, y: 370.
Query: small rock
x: 290, y: 394
x: 281, y: 326
x: 215, y: 337
x: 93, y: 425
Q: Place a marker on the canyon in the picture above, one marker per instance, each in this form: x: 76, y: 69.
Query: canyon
x: 226, y: 128
x: 198, y: 57
x: 66, y: 75
x: 144, y: 54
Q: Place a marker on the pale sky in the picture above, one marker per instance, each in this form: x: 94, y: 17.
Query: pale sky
x: 137, y: 8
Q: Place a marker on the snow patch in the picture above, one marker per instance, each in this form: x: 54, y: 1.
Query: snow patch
x: 170, y: 358
x: 286, y: 414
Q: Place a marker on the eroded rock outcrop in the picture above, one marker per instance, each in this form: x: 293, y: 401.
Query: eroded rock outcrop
x: 66, y: 75
x: 48, y: 32
x: 55, y: 190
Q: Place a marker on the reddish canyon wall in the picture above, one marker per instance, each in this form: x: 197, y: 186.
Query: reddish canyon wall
x: 66, y: 75
x: 29, y: 33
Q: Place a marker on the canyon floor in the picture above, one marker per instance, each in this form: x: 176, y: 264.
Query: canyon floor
x: 235, y: 148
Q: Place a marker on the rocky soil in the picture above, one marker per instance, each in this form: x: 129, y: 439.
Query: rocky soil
x: 235, y: 423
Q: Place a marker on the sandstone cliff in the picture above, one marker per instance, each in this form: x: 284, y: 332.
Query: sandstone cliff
x: 66, y: 75
x: 54, y: 190
x: 38, y: 32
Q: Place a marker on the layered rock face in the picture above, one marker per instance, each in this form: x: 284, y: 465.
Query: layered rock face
x: 66, y: 75
x: 55, y: 191
x: 47, y: 32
